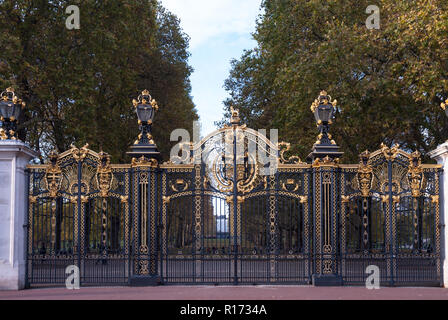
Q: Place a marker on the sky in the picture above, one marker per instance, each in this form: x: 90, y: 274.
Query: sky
x: 219, y: 31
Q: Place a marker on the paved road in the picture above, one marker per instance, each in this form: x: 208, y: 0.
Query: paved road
x: 228, y: 293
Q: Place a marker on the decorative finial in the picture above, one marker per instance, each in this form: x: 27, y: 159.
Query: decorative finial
x: 235, y: 119
x: 364, y: 157
x: 53, y: 157
x: 415, y: 158
x: 145, y: 98
x: 145, y: 107
x: 323, y: 99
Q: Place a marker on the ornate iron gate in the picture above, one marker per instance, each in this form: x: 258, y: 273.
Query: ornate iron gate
x: 235, y: 211
x: 79, y: 215
x: 228, y: 218
x: 390, y: 217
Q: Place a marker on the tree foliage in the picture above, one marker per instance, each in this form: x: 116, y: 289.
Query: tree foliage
x: 389, y: 82
x: 79, y: 84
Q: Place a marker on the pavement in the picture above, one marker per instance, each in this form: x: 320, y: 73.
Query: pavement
x: 251, y: 293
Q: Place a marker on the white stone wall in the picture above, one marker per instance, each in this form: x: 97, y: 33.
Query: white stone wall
x: 441, y: 155
x: 14, y: 156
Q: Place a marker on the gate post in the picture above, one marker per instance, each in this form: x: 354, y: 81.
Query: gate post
x: 325, y: 158
x: 441, y: 156
x: 14, y: 156
x: 145, y: 162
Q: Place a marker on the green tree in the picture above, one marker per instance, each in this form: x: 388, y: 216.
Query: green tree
x: 78, y: 84
x: 389, y: 82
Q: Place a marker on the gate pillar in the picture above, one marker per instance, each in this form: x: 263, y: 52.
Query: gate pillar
x: 325, y: 157
x: 145, y: 164
x: 325, y: 234
x: 441, y: 156
x: 14, y: 156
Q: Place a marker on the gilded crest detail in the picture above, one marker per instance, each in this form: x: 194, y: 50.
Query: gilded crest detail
x: 144, y: 162
x: 79, y: 154
x: 365, y: 174
x: 104, y: 176
x: 53, y: 176
x: 415, y: 174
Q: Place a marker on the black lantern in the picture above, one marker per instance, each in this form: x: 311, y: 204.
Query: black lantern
x: 10, y: 108
x: 145, y: 108
x: 324, y: 110
x: 324, y: 113
x: 144, y: 146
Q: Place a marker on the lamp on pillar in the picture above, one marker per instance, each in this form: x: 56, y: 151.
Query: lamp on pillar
x: 15, y: 156
x: 324, y: 111
x: 10, y: 109
x: 144, y: 148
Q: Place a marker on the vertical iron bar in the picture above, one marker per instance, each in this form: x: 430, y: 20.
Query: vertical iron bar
x: 235, y: 204
x: 391, y: 239
x: 79, y: 221
x: 149, y: 220
x: 27, y: 226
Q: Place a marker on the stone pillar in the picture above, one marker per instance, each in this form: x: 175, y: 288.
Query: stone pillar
x: 441, y: 155
x: 14, y: 156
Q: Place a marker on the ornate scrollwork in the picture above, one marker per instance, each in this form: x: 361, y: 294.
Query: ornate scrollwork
x: 247, y: 174
x: 144, y: 162
x: 290, y: 185
x: 241, y: 199
x: 365, y: 174
x: 285, y: 147
x: 327, y: 161
x: 53, y: 176
x: 390, y: 153
x: 104, y: 176
x: 79, y: 154
x: 180, y: 185
x: 415, y: 174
